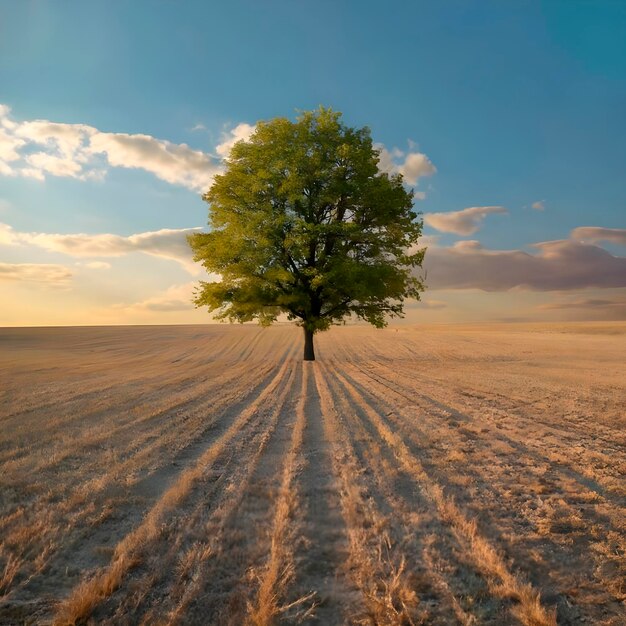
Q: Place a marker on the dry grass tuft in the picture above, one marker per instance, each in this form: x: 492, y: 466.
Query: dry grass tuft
x: 11, y: 568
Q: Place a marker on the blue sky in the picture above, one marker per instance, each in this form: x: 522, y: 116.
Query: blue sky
x: 513, y: 103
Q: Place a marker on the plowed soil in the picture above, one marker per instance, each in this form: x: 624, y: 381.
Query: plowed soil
x: 206, y: 475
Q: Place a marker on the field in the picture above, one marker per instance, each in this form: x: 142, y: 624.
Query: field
x: 206, y: 475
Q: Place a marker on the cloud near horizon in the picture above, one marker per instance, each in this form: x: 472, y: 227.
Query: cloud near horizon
x: 586, y: 303
x: 174, y: 298
x: 166, y: 243
x: 464, y: 222
x: 425, y: 303
x: 96, y: 265
x: 50, y: 274
x: 557, y: 266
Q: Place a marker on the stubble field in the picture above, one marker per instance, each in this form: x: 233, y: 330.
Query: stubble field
x: 206, y: 475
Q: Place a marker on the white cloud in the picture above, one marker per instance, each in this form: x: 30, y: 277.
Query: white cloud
x: 177, y: 164
x: 415, y: 166
x: 8, y: 236
x: 9, y: 146
x: 35, y: 272
x: 55, y: 165
x: 558, y: 265
x: 29, y: 172
x: 38, y: 148
x: 465, y: 222
x: 6, y: 169
x: 539, y: 205
x: 67, y: 139
x: 595, y: 234
x: 412, y: 165
x: 241, y: 132
x: 165, y: 243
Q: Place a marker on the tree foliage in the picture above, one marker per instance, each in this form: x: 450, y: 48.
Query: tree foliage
x: 303, y: 222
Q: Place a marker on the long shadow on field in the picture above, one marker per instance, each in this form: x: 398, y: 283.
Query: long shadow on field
x: 556, y: 562
x: 321, y: 561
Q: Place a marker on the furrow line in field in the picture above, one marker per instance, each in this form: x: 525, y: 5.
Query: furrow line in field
x: 376, y: 564
x: 141, y: 371
x: 85, y: 597
x: 502, y: 407
x: 250, y: 346
x: 231, y: 543
x: 270, y: 601
x: 414, y: 524
x: 322, y: 547
x: 69, y: 395
x: 598, y: 559
x: 58, y: 427
x: 490, y: 438
x: 116, y: 419
x: 567, y: 460
x: 84, y: 506
x: 144, y: 373
x: 502, y: 582
x: 76, y: 493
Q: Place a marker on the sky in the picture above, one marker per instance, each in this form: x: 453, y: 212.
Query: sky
x: 507, y: 119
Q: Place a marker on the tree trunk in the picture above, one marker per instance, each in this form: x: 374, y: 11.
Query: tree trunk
x: 309, y: 351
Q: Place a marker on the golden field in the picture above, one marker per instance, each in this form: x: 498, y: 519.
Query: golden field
x: 206, y: 475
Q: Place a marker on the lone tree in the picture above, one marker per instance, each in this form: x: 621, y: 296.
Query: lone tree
x: 304, y: 223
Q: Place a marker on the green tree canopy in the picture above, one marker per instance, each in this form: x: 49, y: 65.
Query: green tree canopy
x: 303, y: 222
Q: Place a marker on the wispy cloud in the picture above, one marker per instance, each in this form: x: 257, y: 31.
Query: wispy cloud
x: 166, y: 243
x: 557, y: 265
x: 174, y: 298
x: 539, y: 205
x: 586, y: 303
x: 464, y: 222
x: 49, y: 274
x: 95, y: 265
x: 595, y: 234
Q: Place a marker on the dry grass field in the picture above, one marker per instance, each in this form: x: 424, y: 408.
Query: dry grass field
x: 206, y: 475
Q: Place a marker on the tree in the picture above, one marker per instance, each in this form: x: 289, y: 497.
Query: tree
x: 304, y: 223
